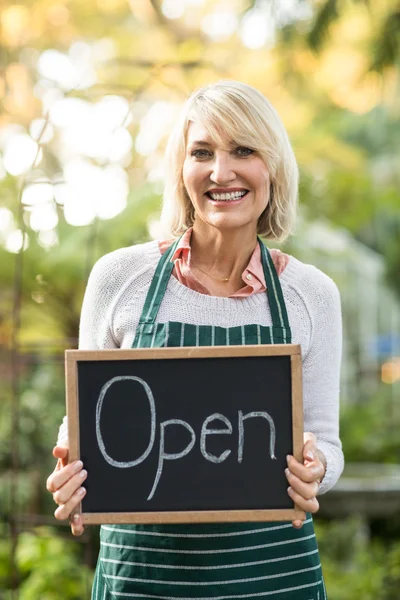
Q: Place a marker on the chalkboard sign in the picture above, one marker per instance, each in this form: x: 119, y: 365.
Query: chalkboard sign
x: 173, y: 435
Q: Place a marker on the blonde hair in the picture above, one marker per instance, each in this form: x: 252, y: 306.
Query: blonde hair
x: 241, y: 113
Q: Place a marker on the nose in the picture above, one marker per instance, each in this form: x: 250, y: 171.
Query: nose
x: 223, y: 171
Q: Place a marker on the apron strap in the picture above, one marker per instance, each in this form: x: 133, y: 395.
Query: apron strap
x: 158, y: 286
x: 275, y: 296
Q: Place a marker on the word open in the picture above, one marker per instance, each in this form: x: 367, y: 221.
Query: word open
x: 164, y: 426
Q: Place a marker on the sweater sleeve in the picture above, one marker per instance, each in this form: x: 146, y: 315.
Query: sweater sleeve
x: 321, y: 371
x: 94, y: 328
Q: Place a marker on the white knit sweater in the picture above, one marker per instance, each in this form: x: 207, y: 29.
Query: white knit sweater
x: 114, y: 300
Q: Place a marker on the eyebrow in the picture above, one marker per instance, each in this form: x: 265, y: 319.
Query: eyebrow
x: 204, y: 143
x: 200, y: 143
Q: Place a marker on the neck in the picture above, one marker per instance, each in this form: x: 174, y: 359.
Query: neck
x: 222, y: 253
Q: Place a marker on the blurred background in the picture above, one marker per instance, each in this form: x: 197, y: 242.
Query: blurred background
x: 88, y: 94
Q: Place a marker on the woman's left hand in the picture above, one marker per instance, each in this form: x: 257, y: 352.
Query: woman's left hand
x: 304, y: 478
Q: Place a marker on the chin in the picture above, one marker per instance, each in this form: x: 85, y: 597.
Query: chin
x: 230, y: 224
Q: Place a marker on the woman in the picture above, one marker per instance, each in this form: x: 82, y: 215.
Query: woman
x: 231, y: 175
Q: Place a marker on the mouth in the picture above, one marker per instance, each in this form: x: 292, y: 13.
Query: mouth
x: 227, y: 196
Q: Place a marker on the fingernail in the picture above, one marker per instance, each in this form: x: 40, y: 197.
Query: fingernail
x: 310, y: 455
x: 81, y: 491
x: 78, y: 465
x: 289, y: 456
x: 287, y: 472
x: 83, y: 474
x: 76, y: 519
x: 290, y: 491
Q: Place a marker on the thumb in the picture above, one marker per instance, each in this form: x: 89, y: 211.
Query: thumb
x: 310, y: 446
x: 61, y: 453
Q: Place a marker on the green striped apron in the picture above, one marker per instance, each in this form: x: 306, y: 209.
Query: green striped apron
x: 216, y: 561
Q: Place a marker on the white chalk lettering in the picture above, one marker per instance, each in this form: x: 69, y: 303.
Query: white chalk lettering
x: 165, y: 456
x: 104, y: 390
x: 250, y: 415
x: 204, y: 432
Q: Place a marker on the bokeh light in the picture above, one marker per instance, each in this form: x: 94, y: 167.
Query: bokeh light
x: 257, y: 29
x: 15, y: 240
x: 43, y: 217
x: 120, y: 145
x: 72, y: 71
x: 40, y: 128
x: 390, y: 371
x: 48, y: 239
x: 220, y: 24
x: 6, y: 221
x: 15, y: 25
x: 7, y: 133
x: 21, y: 154
x: 154, y: 126
x: 91, y: 191
x: 38, y: 193
x: 58, y: 67
x: 173, y: 9
x: 93, y: 130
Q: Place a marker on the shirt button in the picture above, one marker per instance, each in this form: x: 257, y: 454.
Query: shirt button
x: 249, y: 277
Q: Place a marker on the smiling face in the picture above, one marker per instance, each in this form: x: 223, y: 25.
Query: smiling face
x: 227, y: 184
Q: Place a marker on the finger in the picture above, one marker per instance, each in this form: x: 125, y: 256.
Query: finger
x: 65, y: 492
x: 311, y: 472
x: 297, y: 524
x: 63, y: 511
x: 77, y: 527
x: 311, y: 505
x: 306, y: 490
x: 60, y: 476
x: 61, y: 453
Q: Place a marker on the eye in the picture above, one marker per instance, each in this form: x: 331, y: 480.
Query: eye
x: 200, y: 153
x: 243, y: 151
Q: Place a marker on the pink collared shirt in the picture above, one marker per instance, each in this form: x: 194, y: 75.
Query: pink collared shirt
x: 253, y: 275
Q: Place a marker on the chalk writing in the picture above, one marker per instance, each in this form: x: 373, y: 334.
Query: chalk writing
x: 265, y: 415
x: 205, y: 432
x: 163, y: 456
x: 103, y: 391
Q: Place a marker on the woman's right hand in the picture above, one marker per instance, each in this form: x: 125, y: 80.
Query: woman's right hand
x: 65, y: 483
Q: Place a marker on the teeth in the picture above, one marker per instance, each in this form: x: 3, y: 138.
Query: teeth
x: 231, y: 196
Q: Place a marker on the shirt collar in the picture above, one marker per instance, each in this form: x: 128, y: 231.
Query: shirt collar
x: 253, y: 275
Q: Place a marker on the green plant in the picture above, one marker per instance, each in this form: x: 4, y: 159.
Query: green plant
x: 356, y: 567
x: 369, y: 431
x: 49, y: 567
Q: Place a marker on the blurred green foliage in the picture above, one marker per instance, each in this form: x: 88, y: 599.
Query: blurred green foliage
x: 356, y: 567
x: 370, y: 431
x: 41, y: 411
x: 50, y: 567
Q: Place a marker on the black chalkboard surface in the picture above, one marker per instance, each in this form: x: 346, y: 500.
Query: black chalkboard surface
x: 185, y: 434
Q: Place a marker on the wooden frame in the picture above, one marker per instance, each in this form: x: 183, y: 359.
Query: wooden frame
x: 72, y: 357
